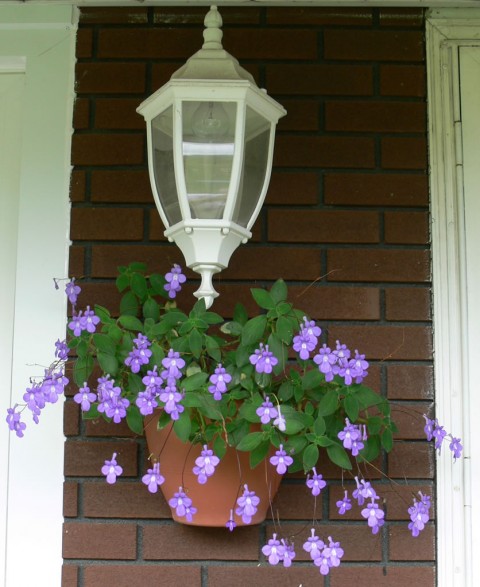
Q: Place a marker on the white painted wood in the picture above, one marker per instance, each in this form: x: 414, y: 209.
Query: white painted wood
x: 455, y: 287
x: 34, y: 482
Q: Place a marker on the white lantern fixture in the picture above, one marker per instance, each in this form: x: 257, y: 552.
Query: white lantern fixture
x: 210, y: 133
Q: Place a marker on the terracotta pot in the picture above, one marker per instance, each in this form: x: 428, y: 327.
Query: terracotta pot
x: 219, y: 494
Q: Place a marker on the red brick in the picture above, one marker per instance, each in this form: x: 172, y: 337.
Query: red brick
x: 104, y: 15
x: 390, y: 265
x: 402, y: 80
x: 112, y: 149
x: 130, y: 575
x: 404, y: 153
x: 180, y: 542
x: 410, y: 228
x: 358, y: 45
x: 106, y: 258
x: 411, y: 460
x: 110, y: 78
x: 405, y: 343
x: 163, y: 43
x: 71, y: 419
x: 360, y: 189
x: 299, y: 188
x: 84, y: 45
x: 408, y: 17
x: 98, y: 426
x: 323, y: 79
x: 121, y: 186
x: 321, y: 151
x: 264, y: 575
x: 85, y: 459
x: 69, y: 576
x: 70, y: 499
x: 375, y: 116
x: 76, y: 261
x: 81, y: 113
x: 405, y: 548
x: 123, y: 500
x: 99, y: 541
x: 409, y: 419
x: 77, y: 186
x: 322, y: 226
x: 190, y: 15
x: 320, y: 16
x: 294, y: 502
x: 410, y: 381
x: 118, y: 113
x: 383, y: 576
x: 124, y: 224
x: 408, y: 303
x: 301, y: 115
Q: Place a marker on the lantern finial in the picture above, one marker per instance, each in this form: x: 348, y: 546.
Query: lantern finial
x: 213, y: 33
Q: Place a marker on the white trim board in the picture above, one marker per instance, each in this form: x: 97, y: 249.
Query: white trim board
x: 31, y: 497
x: 456, y: 396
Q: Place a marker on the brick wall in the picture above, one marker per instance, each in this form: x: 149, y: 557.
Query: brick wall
x: 347, y: 211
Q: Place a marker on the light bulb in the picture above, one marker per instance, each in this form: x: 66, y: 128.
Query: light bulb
x: 210, y: 121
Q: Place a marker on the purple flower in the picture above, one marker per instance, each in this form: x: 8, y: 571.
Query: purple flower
x: 311, y: 329
x: 146, y: 402
x: 361, y: 367
x: 171, y: 398
x: 344, y: 505
x: 316, y: 483
x: 72, y: 291
x: 364, y: 491
x: 182, y: 505
x: 247, y: 505
x: 266, y: 411
x: 288, y: 554
x: 220, y: 379
x: 326, y: 361
x: 456, y: 447
x: 314, y: 545
x: 231, y: 525
x: 279, y: 421
x: 352, y: 437
x: 84, y: 397
x: 374, y: 516
x: 429, y: 427
x: 274, y: 550
x: 281, y: 460
x: 140, y: 355
x: 152, y: 380
x: 152, y: 479
x: 205, y: 464
x: 89, y: 320
x: 13, y: 421
x: 330, y: 557
x: 172, y: 363
x: 111, y: 470
x: 61, y: 350
x: 439, y: 434
x: 174, y: 280
x: 76, y: 324
x: 263, y: 359
x: 53, y: 385
x: 419, y: 514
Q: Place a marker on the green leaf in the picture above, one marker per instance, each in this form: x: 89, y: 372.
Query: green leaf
x: 250, y: 441
x: 104, y: 344
x: 319, y: 426
x: 374, y: 424
x: 212, y: 318
x: 92, y: 413
x: 151, y: 309
x: 219, y: 447
x: 310, y: 457
x: 232, y: 328
x: 137, y: 266
x: 212, y: 348
x: 248, y: 410
x: 183, y: 426
x: 254, y: 330
x: 195, y: 381
x: 284, y: 330
x: 115, y: 332
x: 279, y: 291
x: 135, y: 419
x: 199, y: 309
x: 240, y: 314
x: 258, y: 454
x: 195, y: 341
x: 108, y: 363
x: 242, y: 355
x: 122, y: 282
x: 263, y: 298
x: 129, y: 304
x: 324, y: 441
x: 387, y: 439
x: 366, y: 396
x: 135, y: 383
x: 328, y: 403
x: 82, y: 369
x: 285, y: 392
x: 338, y: 456
x: 284, y: 308
x: 131, y: 323
x: 371, y: 450
x: 82, y: 348
x: 311, y: 379
x: 138, y: 285
x: 157, y: 283
x: 351, y: 407
x: 280, y: 351
x: 157, y: 355
x: 294, y: 420
x: 103, y: 314
x: 295, y: 445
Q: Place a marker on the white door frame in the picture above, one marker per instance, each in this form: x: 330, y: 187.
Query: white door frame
x: 456, y: 393
x: 39, y: 41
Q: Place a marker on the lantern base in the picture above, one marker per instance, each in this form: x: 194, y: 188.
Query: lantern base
x: 206, y: 289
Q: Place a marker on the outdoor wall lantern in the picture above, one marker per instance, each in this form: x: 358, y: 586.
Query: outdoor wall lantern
x: 210, y: 133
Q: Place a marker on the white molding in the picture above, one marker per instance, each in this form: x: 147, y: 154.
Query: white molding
x: 446, y: 32
x: 35, y: 483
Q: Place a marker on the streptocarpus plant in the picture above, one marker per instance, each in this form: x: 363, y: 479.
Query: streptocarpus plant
x: 216, y: 380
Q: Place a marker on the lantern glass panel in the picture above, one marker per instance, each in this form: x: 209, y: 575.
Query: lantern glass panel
x: 163, y: 166
x: 208, y: 148
x: 254, y: 166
